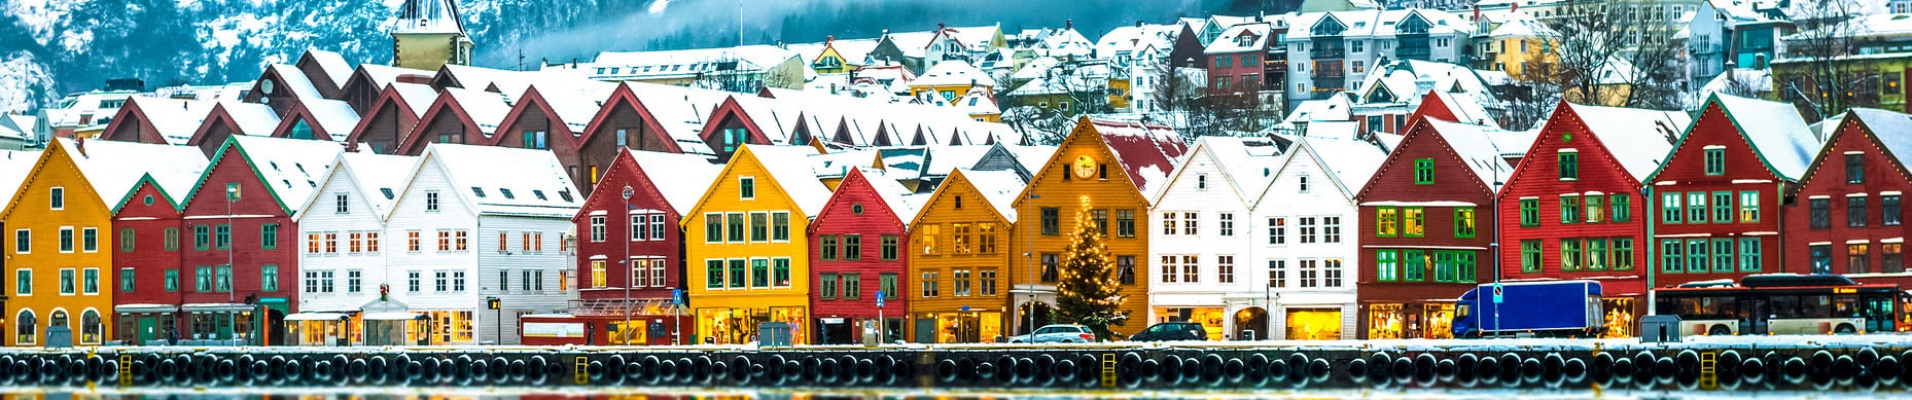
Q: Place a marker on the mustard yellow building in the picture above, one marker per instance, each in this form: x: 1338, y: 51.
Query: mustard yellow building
x: 1519, y: 46
x: 60, y: 276
x: 745, y: 247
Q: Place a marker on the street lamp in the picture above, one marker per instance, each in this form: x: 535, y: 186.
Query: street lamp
x: 1028, y: 263
x: 629, y: 270
x: 232, y: 318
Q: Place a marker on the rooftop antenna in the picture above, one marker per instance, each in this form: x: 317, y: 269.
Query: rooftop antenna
x: 521, y: 58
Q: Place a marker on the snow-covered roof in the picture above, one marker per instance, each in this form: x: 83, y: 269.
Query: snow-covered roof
x: 1133, y: 38
x: 14, y: 167
x: 333, y: 64
x: 1067, y: 42
x: 777, y: 120
x: 1352, y: 162
x: 1240, y: 38
x: 429, y: 16
x: 291, y: 168
x: 1248, y: 168
x: 911, y: 44
x: 575, y: 101
x: 487, y: 109
x: 253, y: 118
x: 1333, y: 108
x: 336, y: 116
x: 382, y: 75
x: 1475, y: 147
x: 379, y: 177
x: 1891, y: 129
x: 626, y: 65
x: 1737, y: 80
x: 1776, y: 131
x: 1147, y: 150
x: 977, y: 102
x: 112, y: 168
x: 901, y: 200
x: 853, y: 51
x: 1639, y: 139
x: 418, y: 96
x: 953, y: 73
x: 681, y: 111
x: 507, y: 181
x: 943, y: 159
x: 999, y: 187
x: 296, y: 81
x: 175, y: 120
x: 789, y: 165
x: 681, y: 178
x: 973, y: 38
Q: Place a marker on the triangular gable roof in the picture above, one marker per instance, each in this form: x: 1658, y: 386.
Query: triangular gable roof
x: 331, y: 120
x: 476, y: 109
x: 1148, y: 151
x: 1775, y: 132
x: 1886, y: 129
x: 516, y: 182
x: 682, y: 112
x: 411, y: 99
x: 1639, y: 139
x: 174, y: 121
x: 734, y: 107
x: 377, y: 177
x: 680, y: 178
x: 245, y: 118
x: 1000, y: 188
x: 112, y: 169
x: 14, y: 167
x: 953, y: 73
x: 887, y: 190
x: 789, y: 168
x: 289, y: 169
x: 1348, y: 164
x: 295, y: 80
x: 1246, y: 171
x: 332, y: 64
x: 622, y: 96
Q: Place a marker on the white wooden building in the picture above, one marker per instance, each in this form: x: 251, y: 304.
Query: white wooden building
x: 1305, y: 240
x: 477, y: 223
x: 1200, y: 239
x: 345, y: 245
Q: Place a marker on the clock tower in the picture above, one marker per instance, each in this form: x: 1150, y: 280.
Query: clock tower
x: 429, y: 34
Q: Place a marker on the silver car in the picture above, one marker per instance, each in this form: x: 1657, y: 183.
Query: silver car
x: 1057, y: 334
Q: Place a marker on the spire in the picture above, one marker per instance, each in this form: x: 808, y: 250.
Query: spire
x: 429, y: 16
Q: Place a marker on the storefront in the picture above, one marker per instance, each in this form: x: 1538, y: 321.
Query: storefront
x: 1313, y: 324
x: 739, y: 325
x: 317, y: 329
x: 1411, y: 320
x: 146, y: 324
x: 1211, y: 318
x: 965, y: 326
x: 442, y: 327
x: 219, y: 322
x: 1620, y: 316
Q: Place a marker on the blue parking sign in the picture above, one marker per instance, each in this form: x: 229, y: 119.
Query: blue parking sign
x: 677, y: 297
x: 879, y: 299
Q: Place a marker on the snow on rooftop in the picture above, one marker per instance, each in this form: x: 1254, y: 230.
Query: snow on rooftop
x: 333, y: 64
x: 175, y: 120
x: 1639, y: 139
x: 14, y: 167
x: 252, y: 118
x: 1776, y: 131
x: 296, y: 81
x: 1351, y: 162
x: 112, y: 168
x: 681, y: 111
x: 292, y: 168
x: 681, y: 178
x: 999, y: 187
x: 1133, y: 38
x: 508, y: 181
x: 1248, y: 170
x: 689, y: 62
x: 1147, y: 150
x: 789, y: 165
x: 418, y: 96
x: 902, y: 201
x: 487, y: 109
x: 953, y: 73
x: 1240, y: 38
x: 1891, y: 129
x: 1474, y: 146
x: 382, y: 75
x: 379, y: 176
x: 336, y: 116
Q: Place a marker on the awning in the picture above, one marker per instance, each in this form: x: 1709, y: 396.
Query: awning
x: 314, y: 317
x: 389, y: 316
x: 146, y: 308
x: 216, y: 307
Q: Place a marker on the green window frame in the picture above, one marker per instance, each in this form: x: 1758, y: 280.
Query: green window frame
x: 269, y: 278
x: 713, y: 274
x: 202, y: 237
x: 1722, y: 255
x: 1571, y: 255
x: 126, y: 240
x: 1596, y: 206
x: 827, y: 247
x: 1671, y: 258
x: 1696, y: 207
x: 1597, y: 254
x: 1464, y: 224
x: 734, y: 227
x: 222, y: 236
x: 1467, y: 264
x: 1529, y: 212
x: 1424, y: 171
x: 1415, y: 262
x: 1722, y: 207
x: 1749, y: 206
x: 172, y: 239
x: 126, y: 280
x: 713, y: 228
x: 1530, y: 256
x: 269, y: 236
x: 1569, y: 165
x: 1622, y: 208
x: 736, y: 277
x: 1413, y: 222
x: 852, y: 247
x: 889, y: 243
x: 1696, y: 257
x: 1387, y: 265
x: 759, y: 273
x: 1670, y: 212
x: 780, y: 272
x: 1387, y: 222
x: 1715, y: 161
x: 827, y: 286
x: 1444, y: 265
x: 172, y: 280
x: 1569, y: 208
x: 1622, y: 259
x: 1749, y: 254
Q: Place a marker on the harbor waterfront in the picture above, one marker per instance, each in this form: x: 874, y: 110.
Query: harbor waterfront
x: 1816, y: 363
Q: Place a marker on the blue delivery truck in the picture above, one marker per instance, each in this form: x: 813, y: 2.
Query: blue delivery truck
x: 1539, y: 309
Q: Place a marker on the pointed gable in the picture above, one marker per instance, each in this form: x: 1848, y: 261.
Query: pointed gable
x: 646, y: 132
x: 329, y: 120
x: 376, y: 177
x: 503, y: 180
x: 1885, y: 130
x: 327, y: 70
x: 391, y: 118
x: 679, y: 178
x: 1246, y: 168
x: 289, y: 169
x: 1147, y: 151
x: 1774, y: 132
x: 157, y: 120
x: 230, y: 117
x: 458, y: 116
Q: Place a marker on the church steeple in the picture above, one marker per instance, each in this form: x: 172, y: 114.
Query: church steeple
x: 430, y: 34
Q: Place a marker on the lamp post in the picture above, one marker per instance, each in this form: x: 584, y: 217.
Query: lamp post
x: 232, y: 318
x: 629, y: 270
x: 1029, y: 267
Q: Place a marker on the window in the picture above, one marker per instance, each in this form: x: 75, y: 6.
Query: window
x: 597, y: 229
x: 1125, y: 223
x: 341, y: 203
x: 1696, y: 207
x: 1227, y: 224
x: 1722, y: 207
x: 637, y: 229
x: 960, y: 286
x: 889, y: 246
x: 1387, y: 222
x: 1387, y: 265
x: 827, y: 247
x: 126, y: 240
x: 1570, y: 253
x: 126, y: 280
x: 222, y: 237
x: 713, y: 228
x: 1424, y: 171
x: 747, y: 188
x: 1048, y: 267
x: 1201, y: 181
x: 759, y: 227
x: 1277, y: 230
x: 1856, y: 211
x: 1307, y: 230
x: 1670, y: 208
x: 1749, y: 250
x: 737, y: 272
x: 1891, y: 259
x: 458, y: 281
x: 431, y: 201
x: 90, y: 284
x: 172, y: 280
x: 22, y: 241
x: 1464, y: 222
x: 852, y: 247
x: 598, y: 268
x: 1696, y: 255
x: 269, y: 236
x: 1670, y: 259
x: 1414, y: 224
x: 1310, y: 273
x: 780, y: 226
x: 1125, y: 270
x: 1225, y: 269
x: 1190, y: 221
x: 1722, y: 255
x: 657, y: 225
x: 331, y: 243
x: 1331, y: 229
x: 886, y: 282
x: 413, y: 280
x: 354, y: 281
x: 1622, y: 256
x: 713, y: 274
x: 223, y: 274
x: 1622, y: 207
x: 1889, y: 214
x: 1529, y: 212
x: 23, y: 282
x: 1569, y: 209
x: 1302, y: 182
x: 1749, y: 206
x: 959, y: 238
x: 1051, y: 224
x: 1569, y: 165
x: 1820, y: 213
x: 1855, y: 168
x: 734, y: 227
x: 1170, y: 266
x: 202, y: 279
x: 827, y: 287
x: 929, y: 284
x: 1715, y: 161
x: 90, y: 240
x: 1530, y: 256
x: 269, y: 278
x: 1415, y: 265
x: 1191, y: 269
x: 780, y: 272
x: 986, y: 238
x: 66, y: 239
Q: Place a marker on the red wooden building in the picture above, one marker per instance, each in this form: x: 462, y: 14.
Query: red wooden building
x: 1846, y: 217
x: 391, y: 117
x: 146, y: 225
x: 662, y: 187
x: 232, y: 117
x: 239, y: 265
x: 1427, y: 226
x: 553, y: 117
x: 1717, y: 199
x: 458, y: 116
x: 857, y: 250
x: 1572, y: 207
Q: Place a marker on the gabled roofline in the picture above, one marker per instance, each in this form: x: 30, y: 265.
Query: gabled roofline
x: 856, y: 175
x: 144, y: 179
x: 388, y: 95
x: 1288, y: 159
x: 716, y: 121
x: 956, y: 175
x: 532, y: 96
x: 430, y: 157
x: 623, y: 93
x: 1182, y: 164
x: 218, y: 111
x: 1712, y: 100
x: 1082, y: 125
x: 53, y: 149
x: 445, y: 103
x: 232, y: 144
x: 1838, y: 133
x: 131, y: 109
x: 291, y: 119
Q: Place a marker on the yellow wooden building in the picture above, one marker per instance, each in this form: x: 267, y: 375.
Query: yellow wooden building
x: 745, y: 247
x: 959, y: 258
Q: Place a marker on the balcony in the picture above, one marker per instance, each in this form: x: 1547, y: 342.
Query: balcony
x: 1330, y: 48
x: 1331, y: 83
x: 1414, y: 47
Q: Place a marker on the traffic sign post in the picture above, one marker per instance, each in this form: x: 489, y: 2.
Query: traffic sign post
x: 1497, y: 299
x: 882, y: 325
x: 677, y: 321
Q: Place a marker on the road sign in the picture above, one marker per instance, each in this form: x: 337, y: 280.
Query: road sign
x: 1497, y: 292
x: 493, y: 303
x: 677, y: 297
x: 879, y: 299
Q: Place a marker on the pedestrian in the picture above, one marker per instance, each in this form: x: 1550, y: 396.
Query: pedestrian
x: 172, y: 336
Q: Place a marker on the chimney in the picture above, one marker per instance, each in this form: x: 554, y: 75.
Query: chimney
x: 828, y: 39
x: 79, y: 143
x: 1068, y: 24
x: 1138, y: 24
x: 940, y: 27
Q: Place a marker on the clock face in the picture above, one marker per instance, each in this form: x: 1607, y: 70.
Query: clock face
x: 1084, y: 167
x: 266, y: 86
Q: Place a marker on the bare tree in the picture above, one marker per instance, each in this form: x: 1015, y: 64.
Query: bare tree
x: 1815, y: 71
x: 1614, y: 53
x: 1046, y: 108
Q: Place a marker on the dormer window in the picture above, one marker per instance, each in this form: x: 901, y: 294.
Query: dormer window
x: 747, y: 188
x: 539, y: 194
x: 507, y: 193
x: 565, y: 194
x: 480, y: 192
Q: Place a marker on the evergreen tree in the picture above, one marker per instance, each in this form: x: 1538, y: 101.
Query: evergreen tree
x: 1087, y: 291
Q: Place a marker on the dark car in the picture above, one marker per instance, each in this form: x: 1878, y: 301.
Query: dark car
x: 1167, y: 331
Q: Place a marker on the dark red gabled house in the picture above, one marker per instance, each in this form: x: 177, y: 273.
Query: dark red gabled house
x: 555, y: 122
x: 645, y: 226
x: 729, y: 128
x: 623, y: 122
x: 857, y: 250
x: 134, y: 122
x: 328, y: 120
x: 229, y: 118
x: 458, y: 116
x: 146, y: 227
x: 369, y: 81
x: 1848, y: 217
x: 1572, y: 209
x: 282, y: 87
x: 391, y: 117
x: 327, y: 70
x: 236, y: 227
x: 1718, y: 197
x: 1426, y: 226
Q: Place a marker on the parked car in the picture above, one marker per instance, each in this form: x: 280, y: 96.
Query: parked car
x: 1167, y: 331
x: 1057, y: 334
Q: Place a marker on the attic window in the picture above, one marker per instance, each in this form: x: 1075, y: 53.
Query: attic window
x: 507, y: 193
x: 274, y: 164
x: 287, y: 182
x: 478, y: 191
x: 565, y: 194
x: 539, y: 193
x: 387, y: 192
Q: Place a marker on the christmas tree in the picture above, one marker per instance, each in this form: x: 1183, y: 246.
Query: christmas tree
x: 1087, y: 291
